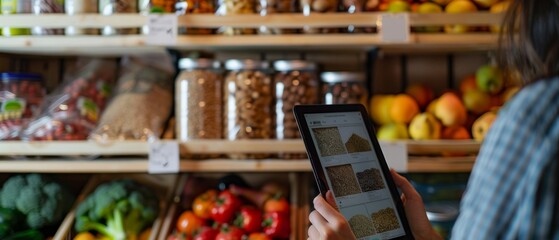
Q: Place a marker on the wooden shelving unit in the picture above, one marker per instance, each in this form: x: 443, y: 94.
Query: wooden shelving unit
x: 112, y: 45
x: 130, y: 156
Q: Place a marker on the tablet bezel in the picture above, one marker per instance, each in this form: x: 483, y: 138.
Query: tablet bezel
x: 320, y: 176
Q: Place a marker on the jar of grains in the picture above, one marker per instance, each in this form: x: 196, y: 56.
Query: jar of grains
x: 344, y: 88
x: 247, y: 102
x: 307, y: 7
x: 296, y: 82
x: 198, y: 99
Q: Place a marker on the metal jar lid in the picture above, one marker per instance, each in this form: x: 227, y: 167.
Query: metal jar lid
x: 198, y: 63
x: 248, y: 64
x: 338, y: 77
x: 442, y: 212
x: 294, y: 65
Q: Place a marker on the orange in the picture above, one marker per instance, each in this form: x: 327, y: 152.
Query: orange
x: 458, y: 133
x: 403, y: 109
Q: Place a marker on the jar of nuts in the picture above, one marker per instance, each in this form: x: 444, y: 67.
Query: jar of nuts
x: 296, y: 82
x: 344, y: 88
x: 247, y: 102
x: 234, y: 7
x: 198, y: 100
x: 267, y: 7
x: 318, y: 6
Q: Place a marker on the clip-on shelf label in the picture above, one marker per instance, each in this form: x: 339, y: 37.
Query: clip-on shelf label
x: 396, y: 155
x: 163, y: 157
x: 394, y: 27
x: 163, y: 29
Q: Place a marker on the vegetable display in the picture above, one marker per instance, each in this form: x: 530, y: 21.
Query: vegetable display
x: 42, y: 201
x: 235, y: 213
x: 117, y: 210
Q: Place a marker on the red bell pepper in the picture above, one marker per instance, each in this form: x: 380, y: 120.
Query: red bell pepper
x: 249, y: 219
x: 277, y: 225
x: 225, y: 207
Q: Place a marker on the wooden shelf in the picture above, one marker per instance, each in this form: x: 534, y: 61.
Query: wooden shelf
x: 63, y: 155
x: 114, y: 45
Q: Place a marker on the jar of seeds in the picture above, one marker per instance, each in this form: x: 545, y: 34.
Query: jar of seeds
x: 344, y: 88
x: 247, y: 103
x: 75, y: 7
x: 234, y: 7
x: 198, y: 100
x: 296, y: 82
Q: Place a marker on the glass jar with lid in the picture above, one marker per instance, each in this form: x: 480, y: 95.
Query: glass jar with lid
x: 344, y: 88
x: 295, y: 82
x: 247, y: 102
x: 198, y: 99
x: 235, y: 7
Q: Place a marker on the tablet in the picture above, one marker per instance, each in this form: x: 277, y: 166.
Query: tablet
x: 346, y: 158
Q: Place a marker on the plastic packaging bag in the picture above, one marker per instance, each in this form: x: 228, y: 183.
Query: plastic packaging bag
x: 72, y: 111
x: 143, y: 100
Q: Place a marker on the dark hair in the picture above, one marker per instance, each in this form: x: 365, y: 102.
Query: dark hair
x: 529, y: 40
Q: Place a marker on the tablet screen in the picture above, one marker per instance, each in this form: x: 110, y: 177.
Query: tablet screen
x: 354, y: 175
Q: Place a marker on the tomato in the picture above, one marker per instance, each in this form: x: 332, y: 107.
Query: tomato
x: 230, y: 233
x: 206, y: 233
x: 277, y: 225
x: 224, y: 208
x: 277, y: 205
x: 188, y: 222
x: 202, y: 204
x: 249, y: 219
x: 258, y: 236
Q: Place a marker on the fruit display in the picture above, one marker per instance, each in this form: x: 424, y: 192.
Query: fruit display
x: 231, y: 210
x: 462, y: 114
x: 30, y: 204
x: 118, y: 209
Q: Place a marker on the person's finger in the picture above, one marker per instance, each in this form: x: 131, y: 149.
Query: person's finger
x: 327, y: 211
x: 313, y: 233
x: 403, y: 184
x: 330, y: 199
x: 318, y: 221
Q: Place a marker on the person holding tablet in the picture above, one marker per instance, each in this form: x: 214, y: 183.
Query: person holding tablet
x: 513, y: 192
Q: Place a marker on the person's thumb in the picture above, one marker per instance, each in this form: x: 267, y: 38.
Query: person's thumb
x: 403, y: 184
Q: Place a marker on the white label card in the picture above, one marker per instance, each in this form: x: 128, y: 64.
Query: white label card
x: 162, y: 29
x: 396, y: 155
x: 394, y: 27
x: 163, y: 157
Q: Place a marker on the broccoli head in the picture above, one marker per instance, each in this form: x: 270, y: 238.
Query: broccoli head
x: 119, y: 210
x: 42, y: 201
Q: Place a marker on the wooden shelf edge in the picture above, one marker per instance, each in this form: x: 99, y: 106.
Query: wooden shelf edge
x: 127, y: 148
x: 138, y: 165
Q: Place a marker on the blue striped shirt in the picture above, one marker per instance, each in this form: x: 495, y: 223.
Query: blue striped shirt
x: 513, y: 191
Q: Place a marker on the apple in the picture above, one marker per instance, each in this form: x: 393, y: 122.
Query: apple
x: 393, y: 131
x: 429, y: 7
x: 476, y: 101
x: 398, y: 6
x: 489, y: 79
x: 459, y: 6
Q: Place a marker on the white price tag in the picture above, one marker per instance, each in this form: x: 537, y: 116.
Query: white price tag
x: 162, y: 29
x: 394, y: 27
x: 396, y: 155
x: 163, y: 157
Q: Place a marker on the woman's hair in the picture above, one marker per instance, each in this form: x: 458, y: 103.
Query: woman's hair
x: 529, y: 40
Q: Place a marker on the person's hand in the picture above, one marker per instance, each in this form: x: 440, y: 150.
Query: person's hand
x: 415, y: 209
x: 327, y: 222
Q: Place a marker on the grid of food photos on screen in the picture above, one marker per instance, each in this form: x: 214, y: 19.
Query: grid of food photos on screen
x: 353, y: 174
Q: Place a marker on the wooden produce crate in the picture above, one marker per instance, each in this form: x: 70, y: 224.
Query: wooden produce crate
x: 162, y: 185
x: 191, y: 185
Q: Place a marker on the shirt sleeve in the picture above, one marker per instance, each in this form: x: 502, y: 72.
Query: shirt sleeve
x: 502, y: 195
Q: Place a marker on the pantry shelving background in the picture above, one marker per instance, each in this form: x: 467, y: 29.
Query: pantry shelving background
x: 130, y: 156
x: 111, y: 45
